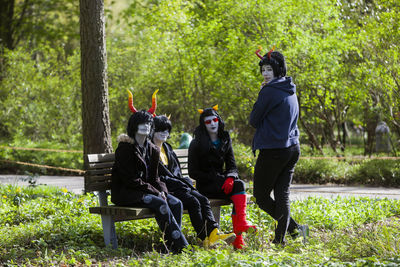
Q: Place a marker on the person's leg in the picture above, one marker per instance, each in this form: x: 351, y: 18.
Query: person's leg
x: 166, y: 221
x: 266, y: 172
x: 176, y: 208
x: 194, y: 209
x: 240, y: 224
x: 281, y: 194
x: 206, y: 211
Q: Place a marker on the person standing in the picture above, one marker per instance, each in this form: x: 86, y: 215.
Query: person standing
x: 275, y: 115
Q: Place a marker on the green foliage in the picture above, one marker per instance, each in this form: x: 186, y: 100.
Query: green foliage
x: 50, y: 226
x: 378, y: 172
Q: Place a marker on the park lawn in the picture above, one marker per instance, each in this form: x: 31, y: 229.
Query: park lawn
x: 43, y: 226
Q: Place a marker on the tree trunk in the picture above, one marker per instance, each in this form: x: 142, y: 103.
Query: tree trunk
x: 95, y: 113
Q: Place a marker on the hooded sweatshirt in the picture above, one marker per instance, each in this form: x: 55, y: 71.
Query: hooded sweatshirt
x: 275, y: 115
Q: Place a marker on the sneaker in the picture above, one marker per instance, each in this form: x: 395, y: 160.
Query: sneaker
x: 304, y: 231
x: 215, y: 237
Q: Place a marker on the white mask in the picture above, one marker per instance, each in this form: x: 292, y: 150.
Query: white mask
x: 144, y: 128
x: 211, y: 123
x: 267, y: 73
x: 161, y: 136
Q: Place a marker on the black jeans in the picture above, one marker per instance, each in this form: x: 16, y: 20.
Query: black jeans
x: 199, y: 210
x: 273, y: 172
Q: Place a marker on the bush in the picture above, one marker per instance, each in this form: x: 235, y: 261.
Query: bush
x: 376, y: 172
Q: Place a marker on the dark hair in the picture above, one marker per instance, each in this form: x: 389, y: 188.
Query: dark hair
x: 201, y: 133
x: 277, y: 62
x: 139, y: 117
x: 162, y: 123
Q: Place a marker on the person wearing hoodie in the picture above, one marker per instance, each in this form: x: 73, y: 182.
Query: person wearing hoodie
x: 180, y: 186
x: 135, y: 180
x: 211, y: 163
x: 275, y: 115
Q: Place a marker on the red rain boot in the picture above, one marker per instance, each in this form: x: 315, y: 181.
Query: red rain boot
x: 239, y: 242
x: 239, y: 219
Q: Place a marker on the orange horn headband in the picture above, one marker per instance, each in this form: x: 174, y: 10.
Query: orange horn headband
x: 153, y: 106
x: 130, y: 102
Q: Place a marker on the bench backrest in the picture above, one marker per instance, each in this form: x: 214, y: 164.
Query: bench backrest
x: 99, y: 166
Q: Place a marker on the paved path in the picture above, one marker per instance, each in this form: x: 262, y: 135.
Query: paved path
x: 298, y: 191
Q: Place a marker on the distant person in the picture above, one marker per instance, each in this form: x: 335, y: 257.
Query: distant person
x: 135, y: 180
x: 181, y: 187
x: 185, y: 141
x: 212, y: 164
x: 275, y: 115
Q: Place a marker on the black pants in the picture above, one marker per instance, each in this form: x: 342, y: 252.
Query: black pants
x: 273, y: 172
x: 199, y: 209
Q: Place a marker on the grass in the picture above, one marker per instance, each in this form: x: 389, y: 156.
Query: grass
x: 42, y: 226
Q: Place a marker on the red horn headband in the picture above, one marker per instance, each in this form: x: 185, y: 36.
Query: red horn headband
x: 268, y: 54
x: 258, y: 52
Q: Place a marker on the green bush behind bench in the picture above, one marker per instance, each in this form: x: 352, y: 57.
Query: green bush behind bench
x: 376, y: 172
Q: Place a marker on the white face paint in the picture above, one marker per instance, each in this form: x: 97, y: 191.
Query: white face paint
x: 211, y: 123
x: 267, y: 73
x: 161, y: 136
x: 144, y: 128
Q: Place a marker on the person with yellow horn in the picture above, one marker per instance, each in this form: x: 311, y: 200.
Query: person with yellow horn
x: 211, y: 163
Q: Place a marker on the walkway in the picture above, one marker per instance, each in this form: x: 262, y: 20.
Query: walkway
x: 298, y: 191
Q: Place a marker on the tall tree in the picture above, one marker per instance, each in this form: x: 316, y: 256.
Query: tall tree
x: 95, y: 112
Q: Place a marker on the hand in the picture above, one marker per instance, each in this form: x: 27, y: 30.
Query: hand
x: 163, y: 196
x: 228, y: 185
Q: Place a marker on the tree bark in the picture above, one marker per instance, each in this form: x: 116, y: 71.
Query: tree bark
x: 95, y: 112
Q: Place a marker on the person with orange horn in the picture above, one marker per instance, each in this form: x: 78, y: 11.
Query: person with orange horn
x: 135, y: 179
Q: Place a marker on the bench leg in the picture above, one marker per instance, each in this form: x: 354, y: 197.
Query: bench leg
x: 217, y: 213
x: 110, y: 236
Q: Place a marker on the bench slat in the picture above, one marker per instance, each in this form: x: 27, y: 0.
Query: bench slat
x: 106, y: 157
x: 102, y: 165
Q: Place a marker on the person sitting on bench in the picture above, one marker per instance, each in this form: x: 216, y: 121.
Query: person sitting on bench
x: 212, y: 164
x: 182, y: 187
x: 135, y: 180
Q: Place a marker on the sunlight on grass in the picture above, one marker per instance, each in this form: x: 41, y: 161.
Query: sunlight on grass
x: 49, y: 226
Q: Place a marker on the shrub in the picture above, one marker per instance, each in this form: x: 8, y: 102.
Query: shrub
x: 376, y: 172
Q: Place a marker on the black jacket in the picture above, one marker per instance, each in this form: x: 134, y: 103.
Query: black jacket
x: 171, y: 175
x: 209, y: 166
x: 133, y: 174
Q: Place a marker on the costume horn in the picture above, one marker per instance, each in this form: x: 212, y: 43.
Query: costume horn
x: 153, y: 108
x: 130, y: 102
x: 270, y: 51
x: 258, y: 52
x: 215, y: 107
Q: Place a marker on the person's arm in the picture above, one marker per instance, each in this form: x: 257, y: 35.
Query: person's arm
x: 260, y: 108
x: 153, y: 170
x: 130, y: 175
x: 230, y: 164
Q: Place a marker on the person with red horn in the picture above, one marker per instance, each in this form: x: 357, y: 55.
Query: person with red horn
x: 135, y: 180
x: 211, y: 163
x: 275, y: 115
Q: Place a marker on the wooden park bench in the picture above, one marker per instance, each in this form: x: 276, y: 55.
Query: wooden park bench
x: 98, y: 179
